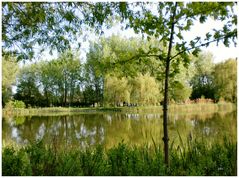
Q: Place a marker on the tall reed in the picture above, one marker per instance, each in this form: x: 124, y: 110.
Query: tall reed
x: 191, y: 158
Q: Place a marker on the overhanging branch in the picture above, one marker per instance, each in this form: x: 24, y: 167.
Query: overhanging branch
x: 137, y: 56
x: 203, y: 44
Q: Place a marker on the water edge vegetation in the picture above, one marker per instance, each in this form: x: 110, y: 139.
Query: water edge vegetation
x: 177, y: 108
x: 194, y: 158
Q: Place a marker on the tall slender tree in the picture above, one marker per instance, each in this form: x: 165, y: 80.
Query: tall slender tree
x: 168, y: 24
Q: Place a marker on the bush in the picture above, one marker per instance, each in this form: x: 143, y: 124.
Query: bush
x: 15, y: 163
x: 19, y: 104
x: 15, y: 104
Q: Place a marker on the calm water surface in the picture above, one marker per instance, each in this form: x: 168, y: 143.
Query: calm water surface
x: 110, y: 128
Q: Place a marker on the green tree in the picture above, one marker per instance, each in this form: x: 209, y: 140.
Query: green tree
x: 93, y: 72
x: 179, y: 92
x: 119, y: 57
x: 145, y: 90
x: 71, y: 77
x: 116, y: 91
x: 9, y: 72
x: 28, y: 87
x: 168, y: 24
x: 225, y: 80
x: 202, y: 81
x: 52, y: 25
x: 179, y: 85
x: 60, y: 78
x: 52, y: 82
x: 48, y: 74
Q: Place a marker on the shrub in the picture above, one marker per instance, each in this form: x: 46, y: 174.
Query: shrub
x: 15, y: 104
x: 15, y: 163
x: 19, y: 104
x: 9, y: 105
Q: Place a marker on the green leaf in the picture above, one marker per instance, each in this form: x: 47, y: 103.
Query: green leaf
x: 202, y: 18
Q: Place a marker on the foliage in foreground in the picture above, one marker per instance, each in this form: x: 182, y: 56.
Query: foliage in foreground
x: 123, y: 160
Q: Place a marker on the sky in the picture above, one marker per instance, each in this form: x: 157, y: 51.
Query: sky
x: 220, y: 52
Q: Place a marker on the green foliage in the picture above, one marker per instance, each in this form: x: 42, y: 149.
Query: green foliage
x: 140, y: 90
x: 116, y: 90
x: 180, y: 92
x: 195, y: 158
x: 15, y: 104
x: 9, y: 105
x: 141, y: 20
x: 19, y: 104
x: 51, y: 24
x: 123, y: 57
x: 225, y: 79
x: 50, y: 83
x: 15, y: 163
x: 27, y: 87
x: 112, y: 61
x: 57, y: 25
x: 214, y: 81
x: 9, y: 72
x: 202, y: 81
x: 145, y: 90
x: 204, y: 160
x: 20, y: 120
x: 179, y: 88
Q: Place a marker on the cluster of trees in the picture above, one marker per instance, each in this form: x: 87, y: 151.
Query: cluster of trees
x: 58, y: 25
x: 115, y: 74
x: 140, y: 90
x: 215, y: 81
x: 48, y: 83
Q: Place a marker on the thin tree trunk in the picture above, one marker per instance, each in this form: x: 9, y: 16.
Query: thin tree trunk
x: 65, y: 89
x: 165, y: 104
x: 47, y: 98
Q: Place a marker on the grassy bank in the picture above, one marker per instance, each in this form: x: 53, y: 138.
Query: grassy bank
x: 122, y: 160
x: 175, y: 108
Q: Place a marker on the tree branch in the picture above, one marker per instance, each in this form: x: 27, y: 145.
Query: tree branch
x: 137, y: 56
x: 203, y: 44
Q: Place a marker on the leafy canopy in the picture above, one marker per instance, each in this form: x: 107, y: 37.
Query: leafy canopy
x: 58, y: 25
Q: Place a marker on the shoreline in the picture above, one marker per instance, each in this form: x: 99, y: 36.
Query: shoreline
x: 175, y: 108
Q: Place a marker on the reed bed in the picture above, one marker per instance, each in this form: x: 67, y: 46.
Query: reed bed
x: 195, y: 159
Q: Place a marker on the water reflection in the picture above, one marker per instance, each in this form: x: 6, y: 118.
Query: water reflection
x: 109, y: 129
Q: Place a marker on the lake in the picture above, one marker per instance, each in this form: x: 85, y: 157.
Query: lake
x: 109, y: 128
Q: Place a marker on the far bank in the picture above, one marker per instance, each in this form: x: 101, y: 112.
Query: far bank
x: 173, y: 108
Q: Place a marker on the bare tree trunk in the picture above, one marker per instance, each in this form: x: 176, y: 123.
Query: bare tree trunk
x: 165, y: 103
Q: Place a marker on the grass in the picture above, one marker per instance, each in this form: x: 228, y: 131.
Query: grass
x: 195, y: 159
x: 175, y: 108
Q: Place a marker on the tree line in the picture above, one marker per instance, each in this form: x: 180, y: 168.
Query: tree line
x: 57, y: 26
x: 116, y: 73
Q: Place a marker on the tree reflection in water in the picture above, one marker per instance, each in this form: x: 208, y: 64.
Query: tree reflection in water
x: 108, y: 129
